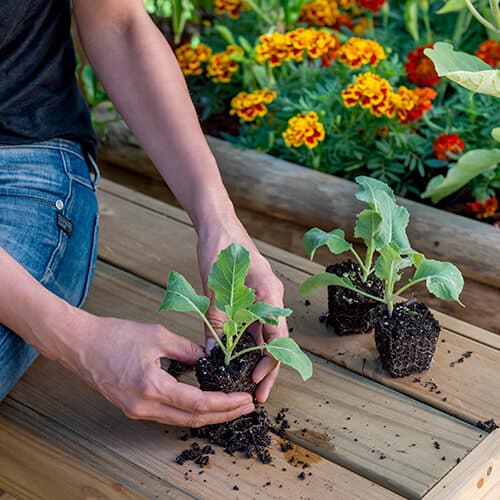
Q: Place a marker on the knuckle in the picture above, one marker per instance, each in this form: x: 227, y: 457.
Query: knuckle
x: 201, y: 406
x: 195, y: 421
x: 134, y: 410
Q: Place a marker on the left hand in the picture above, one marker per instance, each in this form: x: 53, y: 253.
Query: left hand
x: 267, y: 286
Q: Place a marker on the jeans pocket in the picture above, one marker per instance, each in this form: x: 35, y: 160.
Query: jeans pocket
x: 92, y: 261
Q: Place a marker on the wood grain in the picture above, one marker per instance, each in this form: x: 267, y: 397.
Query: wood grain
x: 361, y: 421
x: 464, y: 390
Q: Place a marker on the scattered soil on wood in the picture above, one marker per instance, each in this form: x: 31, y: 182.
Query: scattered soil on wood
x: 487, y: 425
x: 407, y: 341
x: 348, y: 311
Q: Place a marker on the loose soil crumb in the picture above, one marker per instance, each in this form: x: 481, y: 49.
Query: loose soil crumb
x: 196, y: 454
x: 437, y: 445
x: 487, y: 425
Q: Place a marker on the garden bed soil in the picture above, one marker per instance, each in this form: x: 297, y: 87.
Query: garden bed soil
x: 348, y: 311
x: 407, y: 341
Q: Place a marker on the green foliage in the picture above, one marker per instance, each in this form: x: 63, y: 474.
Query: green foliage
x: 334, y: 240
x: 232, y: 296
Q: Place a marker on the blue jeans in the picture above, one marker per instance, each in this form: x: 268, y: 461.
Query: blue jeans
x: 49, y: 223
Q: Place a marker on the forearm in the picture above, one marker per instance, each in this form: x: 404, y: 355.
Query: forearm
x: 139, y: 71
x: 41, y: 318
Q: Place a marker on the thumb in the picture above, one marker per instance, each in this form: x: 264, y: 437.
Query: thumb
x: 216, y: 318
x: 180, y: 348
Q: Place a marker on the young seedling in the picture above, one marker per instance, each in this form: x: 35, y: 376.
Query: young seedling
x: 237, y: 301
x: 383, y: 222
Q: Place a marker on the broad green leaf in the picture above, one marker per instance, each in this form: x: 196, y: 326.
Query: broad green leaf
x: 262, y: 312
x: 466, y: 70
x: 495, y: 133
x: 411, y: 18
x: 334, y: 240
x: 288, y: 352
x: 325, y: 279
x: 367, y: 224
x: 443, y: 279
x: 389, y: 264
x: 452, y: 6
x: 469, y: 166
x: 369, y: 189
x: 180, y: 296
x: 227, y: 280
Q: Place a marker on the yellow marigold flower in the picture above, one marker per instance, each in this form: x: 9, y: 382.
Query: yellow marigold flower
x: 361, y: 26
x: 371, y: 92
x: 221, y: 65
x: 273, y: 48
x: 358, y: 51
x: 250, y: 105
x: 320, y: 13
x: 190, y: 59
x: 304, y: 129
x: 232, y: 8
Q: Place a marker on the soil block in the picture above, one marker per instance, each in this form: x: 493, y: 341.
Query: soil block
x: 348, y: 311
x: 407, y: 341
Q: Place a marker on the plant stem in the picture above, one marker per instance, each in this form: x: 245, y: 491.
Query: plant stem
x: 368, y: 263
x: 495, y: 10
x: 358, y: 259
x: 259, y: 11
x: 480, y: 18
x: 405, y: 287
x: 245, y: 351
x: 427, y: 24
x: 214, y: 333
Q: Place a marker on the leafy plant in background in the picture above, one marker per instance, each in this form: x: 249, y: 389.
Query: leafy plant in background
x: 237, y: 301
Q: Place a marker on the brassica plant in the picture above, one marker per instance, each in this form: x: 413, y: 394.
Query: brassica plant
x: 237, y: 301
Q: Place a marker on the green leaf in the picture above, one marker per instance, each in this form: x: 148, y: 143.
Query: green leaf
x: 262, y: 312
x: 325, y: 279
x: 369, y: 188
x: 452, y: 6
x: 466, y: 70
x: 180, y: 296
x: 411, y: 18
x: 495, y: 133
x: 469, y: 166
x: 227, y: 280
x: 389, y: 264
x: 443, y: 279
x: 334, y: 240
x: 287, y: 351
x: 367, y: 224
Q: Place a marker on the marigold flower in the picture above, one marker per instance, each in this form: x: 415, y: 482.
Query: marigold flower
x: 221, y: 65
x: 373, y: 5
x: 371, y: 92
x: 484, y: 209
x: 362, y: 26
x: 358, y: 51
x: 420, y: 69
x: 232, y: 8
x: 250, y: 105
x: 447, y: 143
x: 411, y: 104
x: 320, y: 13
x: 304, y: 129
x: 489, y: 52
x: 190, y: 59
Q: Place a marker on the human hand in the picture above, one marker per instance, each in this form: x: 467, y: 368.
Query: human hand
x: 267, y: 286
x: 121, y: 359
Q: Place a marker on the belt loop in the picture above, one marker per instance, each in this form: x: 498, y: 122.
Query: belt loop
x: 95, y: 174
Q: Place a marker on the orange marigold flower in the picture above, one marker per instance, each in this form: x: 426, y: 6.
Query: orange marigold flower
x: 411, y: 104
x: 221, y: 65
x: 361, y: 26
x: 320, y: 13
x: 420, y: 69
x: 250, y: 105
x: 232, y: 8
x: 484, y: 209
x: 373, y: 5
x: 447, y: 143
x: 304, y: 129
x: 489, y: 52
x: 190, y: 59
x: 358, y: 51
x: 371, y: 92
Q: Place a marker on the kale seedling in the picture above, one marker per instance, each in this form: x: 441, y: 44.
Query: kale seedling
x: 383, y: 228
x: 237, y: 301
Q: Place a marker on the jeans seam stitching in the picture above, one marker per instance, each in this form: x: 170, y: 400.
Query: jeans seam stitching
x: 46, y: 146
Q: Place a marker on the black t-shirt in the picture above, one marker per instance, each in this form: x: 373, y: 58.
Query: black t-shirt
x: 39, y: 96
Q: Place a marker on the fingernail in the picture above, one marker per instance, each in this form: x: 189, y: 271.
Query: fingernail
x: 210, y: 344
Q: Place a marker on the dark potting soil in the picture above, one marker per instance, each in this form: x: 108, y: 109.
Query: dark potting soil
x: 407, y: 341
x: 348, y: 311
x: 178, y: 368
x: 487, y: 425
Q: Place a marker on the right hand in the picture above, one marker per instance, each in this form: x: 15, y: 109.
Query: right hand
x: 121, y: 359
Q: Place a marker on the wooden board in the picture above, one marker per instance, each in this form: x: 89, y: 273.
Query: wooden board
x: 465, y: 390
x: 361, y: 422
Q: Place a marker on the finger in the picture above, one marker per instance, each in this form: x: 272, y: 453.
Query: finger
x: 255, y: 329
x: 216, y: 318
x: 191, y: 399
x: 179, y: 348
x: 266, y: 365
x: 264, y: 388
x: 174, y: 416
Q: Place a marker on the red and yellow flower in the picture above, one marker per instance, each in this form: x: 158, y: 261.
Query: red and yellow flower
x: 373, y: 5
x: 232, y: 8
x: 411, y: 104
x: 371, y: 92
x: 320, y: 13
x: 420, y: 69
x: 447, y: 143
x: 221, y: 66
x: 249, y: 105
x: 191, y: 59
x: 489, y: 52
x: 484, y: 209
x: 304, y: 129
x: 359, y: 51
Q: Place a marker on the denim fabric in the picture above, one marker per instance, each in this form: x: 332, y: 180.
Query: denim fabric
x: 49, y: 223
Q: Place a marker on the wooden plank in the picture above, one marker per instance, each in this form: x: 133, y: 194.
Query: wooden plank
x: 29, y: 468
x: 466, y: 389
x: 477, y: 476
x: 361, y: 421
x: 60, y: 397
x: 317, y: 199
